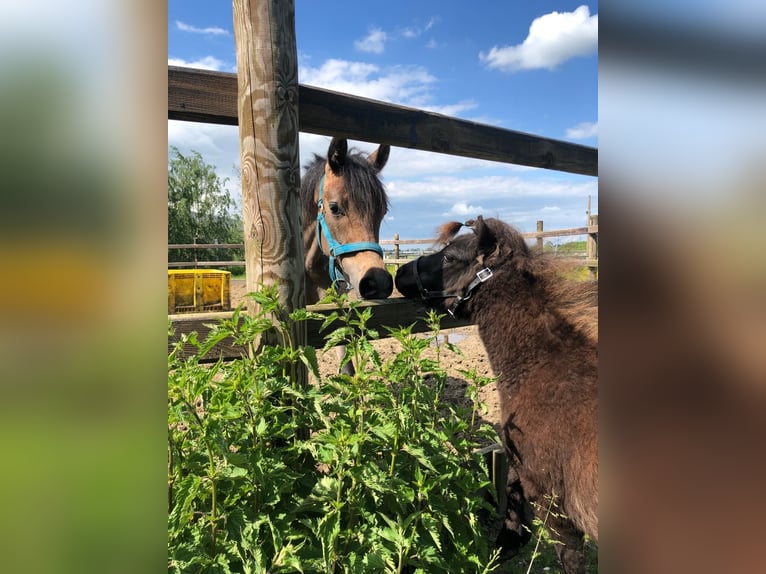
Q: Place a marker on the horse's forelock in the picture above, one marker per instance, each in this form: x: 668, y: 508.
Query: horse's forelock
x: 361, y: 181
x: 447, y: 231
x: 364, y: 187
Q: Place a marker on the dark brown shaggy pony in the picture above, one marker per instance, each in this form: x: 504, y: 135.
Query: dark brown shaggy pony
x: 540, y: 333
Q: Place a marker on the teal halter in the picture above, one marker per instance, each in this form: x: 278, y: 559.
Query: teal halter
x: 336, y: 249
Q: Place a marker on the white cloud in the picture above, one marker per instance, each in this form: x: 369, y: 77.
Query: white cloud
x: 445, y: 189
x: 406, y: 85
x: 553, y: 39
x: 409, y: 163
x: 210, y: 31
x: 206, y: 63
x: 452, y: 109
x: 462, y: 208
x: 583, y: 130
x: 415, y: 32
x: 217, y: 144
x: 550, y: 209
x: 374, y: 42
x: 409, y: 85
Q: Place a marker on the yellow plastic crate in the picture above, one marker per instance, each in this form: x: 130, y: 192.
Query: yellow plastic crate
x: 196, y: 290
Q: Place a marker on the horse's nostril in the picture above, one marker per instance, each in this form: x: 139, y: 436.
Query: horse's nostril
x: 404, y: 281
x: 376, y: 284
x: 399, y: 278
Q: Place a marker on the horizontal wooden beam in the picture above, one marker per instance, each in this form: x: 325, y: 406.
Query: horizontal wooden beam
x: 593, y: 229
x: 206, y: 246
x: 385, y: 313
x: 211, y: 97
x: 407, y: 241
x: 558, y: 232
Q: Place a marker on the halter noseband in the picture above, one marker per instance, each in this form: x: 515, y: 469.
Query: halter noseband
x: 481, y: 276
x: 335, y: 249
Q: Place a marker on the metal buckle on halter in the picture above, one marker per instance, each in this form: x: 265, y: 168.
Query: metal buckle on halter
x: 484, y: 274
x: 481, y: 276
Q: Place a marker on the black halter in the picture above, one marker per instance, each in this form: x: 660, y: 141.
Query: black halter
x: 427, y: 295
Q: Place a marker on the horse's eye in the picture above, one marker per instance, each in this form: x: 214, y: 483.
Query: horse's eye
x: 335, y: 209
x: 449, y: 258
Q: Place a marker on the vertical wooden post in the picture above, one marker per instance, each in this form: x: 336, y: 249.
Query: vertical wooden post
x: 396, y: 246
x: 592, y: 244
x: 540, y: 239
x: 267, y: 74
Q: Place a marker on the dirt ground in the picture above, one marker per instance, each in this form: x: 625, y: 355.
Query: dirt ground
x: 473, y: 357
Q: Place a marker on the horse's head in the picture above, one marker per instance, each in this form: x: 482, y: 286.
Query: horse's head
x: 351, y: 204
x: 449, y: 277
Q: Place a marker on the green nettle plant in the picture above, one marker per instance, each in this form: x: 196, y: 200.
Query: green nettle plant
x: 364, y: 473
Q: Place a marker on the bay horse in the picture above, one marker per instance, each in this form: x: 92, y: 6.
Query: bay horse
x: 343, y: 203
x: 540, y: 334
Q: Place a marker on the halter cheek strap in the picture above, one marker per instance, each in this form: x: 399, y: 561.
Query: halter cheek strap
x: 334, y: 249
x: 481, y: 276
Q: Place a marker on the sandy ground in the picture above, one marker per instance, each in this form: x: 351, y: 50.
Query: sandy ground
x: 472, y: 357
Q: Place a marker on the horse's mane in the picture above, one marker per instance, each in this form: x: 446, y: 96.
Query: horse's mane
x: 361, y: 181
x: 576, y: 300
x: 447, y: 231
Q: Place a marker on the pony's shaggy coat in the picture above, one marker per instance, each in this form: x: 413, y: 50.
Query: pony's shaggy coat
x: 540, y: 333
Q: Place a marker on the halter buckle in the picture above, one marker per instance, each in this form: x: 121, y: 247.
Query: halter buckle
x: 484, y: 274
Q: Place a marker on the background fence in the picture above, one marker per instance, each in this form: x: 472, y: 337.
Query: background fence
x: 395, y: 255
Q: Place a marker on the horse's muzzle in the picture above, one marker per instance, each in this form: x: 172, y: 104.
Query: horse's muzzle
x: 376, y: 284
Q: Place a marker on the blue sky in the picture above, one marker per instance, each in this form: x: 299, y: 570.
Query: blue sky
x: 524, y: 65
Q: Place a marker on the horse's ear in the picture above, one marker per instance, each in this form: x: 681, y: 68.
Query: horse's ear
x: 487, y: 240
x: 336, y: 154
x: 379, y: 157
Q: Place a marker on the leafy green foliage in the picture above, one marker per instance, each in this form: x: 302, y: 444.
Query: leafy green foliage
x: 363, y: 473
x: 199, y: 209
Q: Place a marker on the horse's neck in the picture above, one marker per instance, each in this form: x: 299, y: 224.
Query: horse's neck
x: 517, y: 327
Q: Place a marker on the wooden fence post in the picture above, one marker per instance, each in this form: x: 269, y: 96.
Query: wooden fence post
x: 592, y: 244
x: 540, y: 239
x: 267, y: 75
x: 396, y: 246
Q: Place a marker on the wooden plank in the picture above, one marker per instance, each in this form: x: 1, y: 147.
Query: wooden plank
x: 408, y: 241
x: 532, y: 234
x: 206, y: 245
x: 202, y: 96
x: 556, y: 232
x: 391, y: 312
x: 210, y: 97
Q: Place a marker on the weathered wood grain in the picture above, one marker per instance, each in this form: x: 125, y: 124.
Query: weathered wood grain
x: 267, y: 106
x: 210, y: 97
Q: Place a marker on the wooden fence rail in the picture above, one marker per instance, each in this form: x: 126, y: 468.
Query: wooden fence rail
x: 396, y: 242
x: 211, y: 97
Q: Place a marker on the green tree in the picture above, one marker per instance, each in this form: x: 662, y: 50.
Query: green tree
x: 200, y: 209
